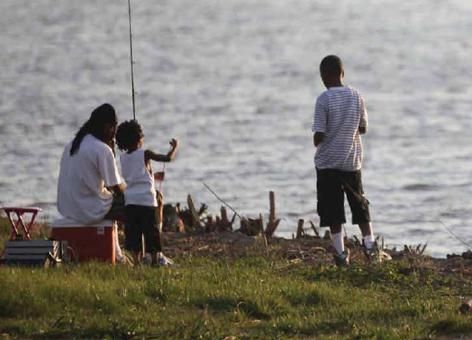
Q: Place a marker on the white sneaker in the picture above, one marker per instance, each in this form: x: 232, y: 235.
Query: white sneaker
x: 343, y: 259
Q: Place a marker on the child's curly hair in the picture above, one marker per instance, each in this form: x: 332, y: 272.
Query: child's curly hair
x: 128, y: 134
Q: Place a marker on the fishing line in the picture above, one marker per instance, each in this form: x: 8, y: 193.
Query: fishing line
x: 454, y: 235
x: 448, y: 229
x: 221, y: 200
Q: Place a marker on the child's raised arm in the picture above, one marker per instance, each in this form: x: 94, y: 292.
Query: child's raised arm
x: 151, y: 155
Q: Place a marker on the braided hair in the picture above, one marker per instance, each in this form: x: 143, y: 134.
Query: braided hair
x: 102, y: 115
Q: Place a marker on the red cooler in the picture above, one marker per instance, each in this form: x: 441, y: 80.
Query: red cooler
x: 87, y: 242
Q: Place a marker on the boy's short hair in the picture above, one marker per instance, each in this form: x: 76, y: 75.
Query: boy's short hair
x: 128, y: 134
x: 331, y: 65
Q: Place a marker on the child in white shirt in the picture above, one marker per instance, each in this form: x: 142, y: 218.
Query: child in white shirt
x: 141, y: 202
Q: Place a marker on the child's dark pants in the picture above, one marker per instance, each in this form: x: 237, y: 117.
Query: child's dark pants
x: 141, y: 220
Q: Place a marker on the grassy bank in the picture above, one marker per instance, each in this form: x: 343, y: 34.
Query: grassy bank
x: 212, y: 299
x: 216, y: 297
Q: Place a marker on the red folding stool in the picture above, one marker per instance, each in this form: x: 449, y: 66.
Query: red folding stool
x: 25, y: 225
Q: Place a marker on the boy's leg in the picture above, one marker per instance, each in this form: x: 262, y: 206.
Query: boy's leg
x: 337, y: 237
x: 330, y: 199
x: 367, y: 234
x: 361, y: 216
x: 330, y: 208
x: 157, y: 233
x: 152, y: 233
x: 133, y: 232
x: 341, y: 257
x: 359, y: 205
x: 158, y: 257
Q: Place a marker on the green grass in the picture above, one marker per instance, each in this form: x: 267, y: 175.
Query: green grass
x: 215, y: 298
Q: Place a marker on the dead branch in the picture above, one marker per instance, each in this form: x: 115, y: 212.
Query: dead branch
x: 273, y: 223
x: 300, y: 231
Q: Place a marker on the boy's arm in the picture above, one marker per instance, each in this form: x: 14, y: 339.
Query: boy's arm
x: 318, y: 138
x: 364, y: 119
x: 151, y: 155
x: 320, y: 118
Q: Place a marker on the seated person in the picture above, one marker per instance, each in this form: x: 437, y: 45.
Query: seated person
x: 88, y: 177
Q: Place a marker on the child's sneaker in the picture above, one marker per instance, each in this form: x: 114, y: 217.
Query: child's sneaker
x: 342, y: 260
x: 164, y: 260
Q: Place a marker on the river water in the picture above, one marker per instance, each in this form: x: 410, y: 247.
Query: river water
x: 235, y: 81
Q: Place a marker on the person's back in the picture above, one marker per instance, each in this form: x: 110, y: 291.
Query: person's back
x: 340, y: 118
x: 88, y: 168
x: 139, y: 179
x: 82, y: 195
x: 340, y: 112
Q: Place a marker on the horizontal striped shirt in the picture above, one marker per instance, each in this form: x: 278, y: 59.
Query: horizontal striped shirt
x: 339, y: 112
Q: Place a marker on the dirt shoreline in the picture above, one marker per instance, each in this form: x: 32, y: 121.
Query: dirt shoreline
x: 192, y: 232
x: 308, y: 249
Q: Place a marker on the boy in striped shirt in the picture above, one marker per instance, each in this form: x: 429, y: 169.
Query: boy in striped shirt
x: 340, y: 118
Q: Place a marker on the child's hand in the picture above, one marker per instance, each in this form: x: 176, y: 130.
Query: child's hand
x: 174, y: 143
x: 171, y: 154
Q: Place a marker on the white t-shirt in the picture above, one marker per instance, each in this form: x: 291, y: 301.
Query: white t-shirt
x: 339, y: 112
x: 139, y: 179
x: 83, y: 178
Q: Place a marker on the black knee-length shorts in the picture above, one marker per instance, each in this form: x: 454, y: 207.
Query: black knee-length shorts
x: 331, y: 186
x: 141, y: 220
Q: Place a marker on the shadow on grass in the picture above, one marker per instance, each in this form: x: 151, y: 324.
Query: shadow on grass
x: 305, y: 298
x: 67, y: 327
x: 386, y: 274
x: 224, y: 304
x: 452, y: 327
x: 315, y: 329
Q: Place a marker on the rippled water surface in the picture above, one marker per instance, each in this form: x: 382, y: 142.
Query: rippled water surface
x: 235, y: 81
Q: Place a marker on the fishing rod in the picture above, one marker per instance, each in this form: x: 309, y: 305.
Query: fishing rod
x: 131, y: 60
x: 132, y: 78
